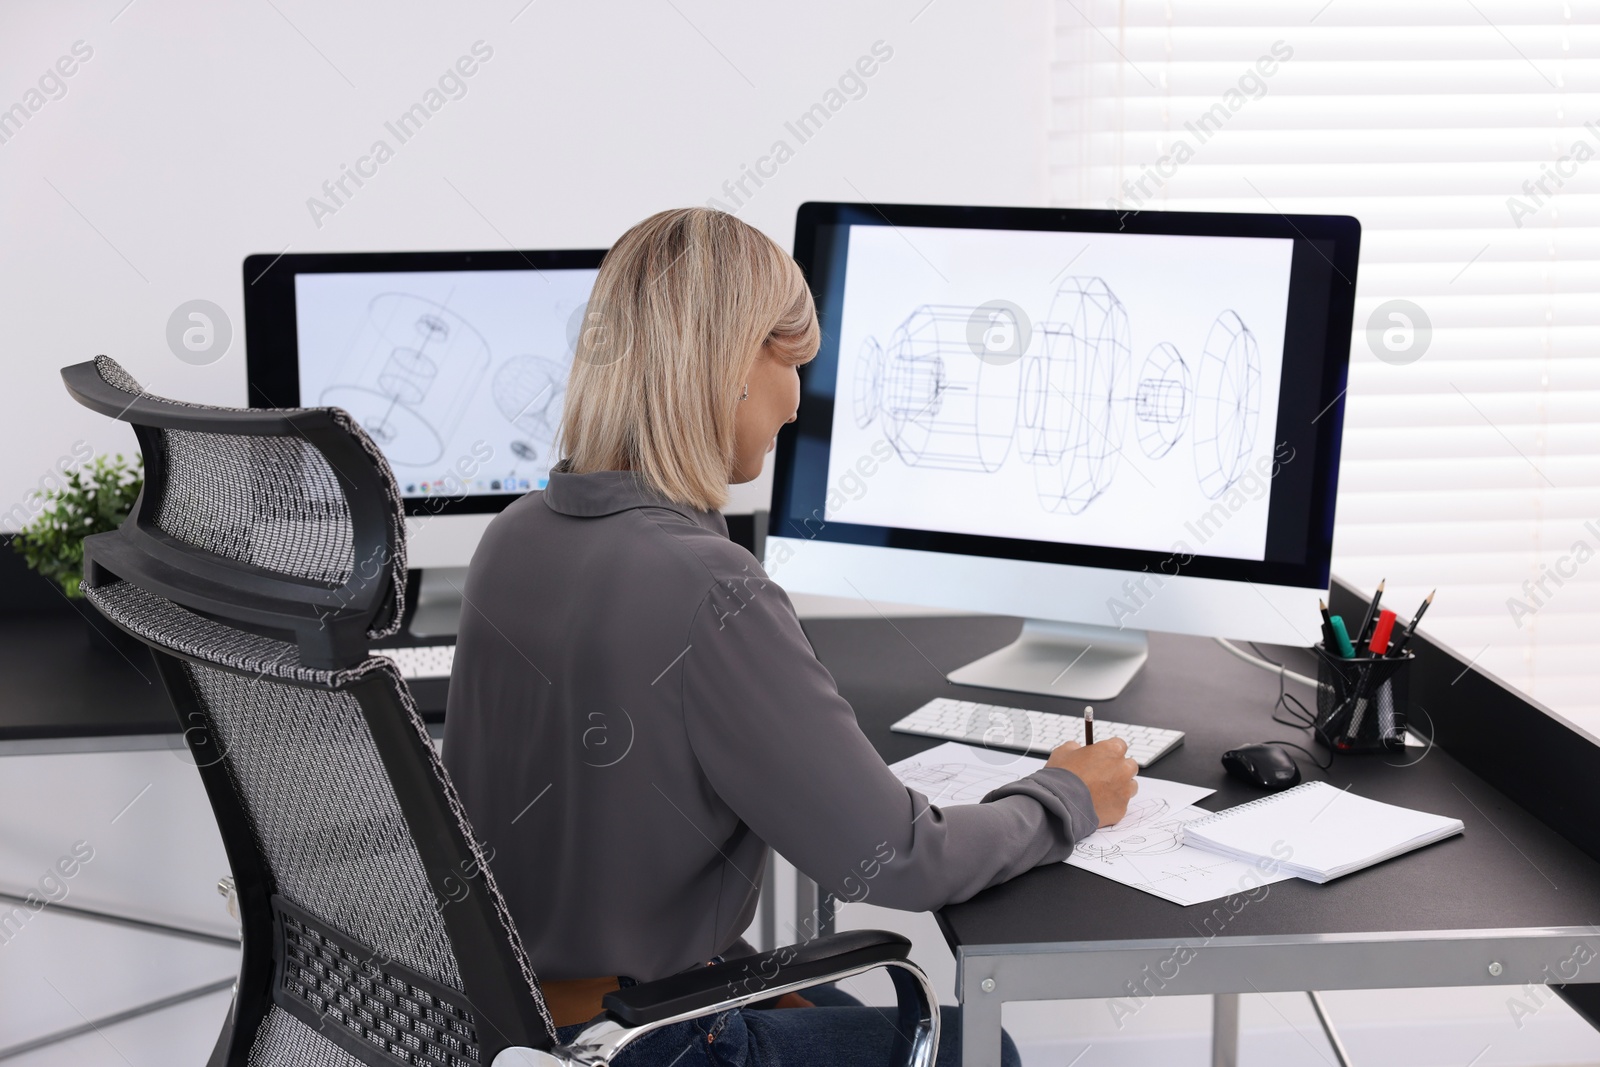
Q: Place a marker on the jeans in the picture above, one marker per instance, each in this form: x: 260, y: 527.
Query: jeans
x: 838, y: 1032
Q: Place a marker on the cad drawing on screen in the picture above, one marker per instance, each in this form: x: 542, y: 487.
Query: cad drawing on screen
x: 528, y: 391
x: 1064, y: 407
x: 1229, y: 405
x: 1073, y: 405
x: 408, y: 376
x: 941, y: 406
x: 1162, y: 403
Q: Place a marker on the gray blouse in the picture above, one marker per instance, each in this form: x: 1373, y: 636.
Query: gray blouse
x: 635, y: 716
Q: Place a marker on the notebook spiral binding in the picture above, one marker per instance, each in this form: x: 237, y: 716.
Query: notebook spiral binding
x: 1258, y: 802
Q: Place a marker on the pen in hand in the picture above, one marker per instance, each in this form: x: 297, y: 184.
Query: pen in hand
x: 1088, y: 726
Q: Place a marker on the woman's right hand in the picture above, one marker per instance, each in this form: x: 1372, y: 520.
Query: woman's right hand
x: 1106, y: 769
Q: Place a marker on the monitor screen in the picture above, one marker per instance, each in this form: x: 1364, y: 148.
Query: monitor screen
x: 454, y: 363
x: 1138, y: 335
x: 1144, y: 392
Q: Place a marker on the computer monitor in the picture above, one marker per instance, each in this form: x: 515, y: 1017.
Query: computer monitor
x: 455, y: 363
x: 1104, y: 422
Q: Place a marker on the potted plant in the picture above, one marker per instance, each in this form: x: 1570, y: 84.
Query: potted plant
x: 96, y: 497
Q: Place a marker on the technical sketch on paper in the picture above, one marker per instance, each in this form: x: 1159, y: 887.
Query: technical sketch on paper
x: 1145, y: 850
x: 1066, y: 405
x: 1148, y: 829
x: 528, y: 391
x: 954, y: 783
x: 409, y: 376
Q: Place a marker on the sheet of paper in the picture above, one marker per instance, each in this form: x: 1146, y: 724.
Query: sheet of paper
x: 1144, y: 850
x: 953, y: 773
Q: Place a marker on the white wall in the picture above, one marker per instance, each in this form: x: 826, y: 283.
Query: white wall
x: 195, y: 133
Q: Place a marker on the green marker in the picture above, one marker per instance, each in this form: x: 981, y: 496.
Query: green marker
x: 1346, y: 649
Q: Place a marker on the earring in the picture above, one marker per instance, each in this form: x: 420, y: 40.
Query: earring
x: 746, y: 394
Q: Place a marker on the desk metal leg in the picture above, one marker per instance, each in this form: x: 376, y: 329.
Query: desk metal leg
x: 980, y: 1028
x: 807, y: 898
x: 1224, y: 1030
x: 1327, y: 1028
x: 768, y: 906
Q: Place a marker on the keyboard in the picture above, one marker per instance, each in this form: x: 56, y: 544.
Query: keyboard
x: 1040, y: 732
x: 418, y: 662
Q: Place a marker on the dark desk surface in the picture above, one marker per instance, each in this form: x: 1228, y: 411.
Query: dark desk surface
x: 58, y: 681
x: 1507, y: 870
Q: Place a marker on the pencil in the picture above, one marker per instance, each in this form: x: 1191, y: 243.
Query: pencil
x: 1412, y: 625
x: 1404, y: 636
x: 1362, y: 636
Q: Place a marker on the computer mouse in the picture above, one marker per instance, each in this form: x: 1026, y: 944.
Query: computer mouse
x: 1263, y: 766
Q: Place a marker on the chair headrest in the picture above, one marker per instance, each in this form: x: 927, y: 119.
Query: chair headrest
x: 283, y: 521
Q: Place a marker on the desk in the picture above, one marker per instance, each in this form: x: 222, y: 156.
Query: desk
x: 1505, y: 903
x: 60, y: 691
x: 1512, y: 893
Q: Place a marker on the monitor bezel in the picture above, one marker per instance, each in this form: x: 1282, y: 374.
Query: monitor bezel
x: 272, y: 349
x: 1338, y: 242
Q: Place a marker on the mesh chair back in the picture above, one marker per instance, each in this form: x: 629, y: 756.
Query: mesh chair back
x: 373, y: 930
x: 288, y: 519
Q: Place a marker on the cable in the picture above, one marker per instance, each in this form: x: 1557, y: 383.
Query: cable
x: 1300, y: 716
x: 1312, y: 756
x: 1276, y: 668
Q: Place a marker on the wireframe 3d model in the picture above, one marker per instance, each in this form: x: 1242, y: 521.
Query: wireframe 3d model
x: 868, y: 393
x: 528, y: 391
x: 1072, y: 400
x: 1227, y: 405
x: 409, y: 375
x: 941, y: 404
x: 945, y: 403
x: 1161, y: 402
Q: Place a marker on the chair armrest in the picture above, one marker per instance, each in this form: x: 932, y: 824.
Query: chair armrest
x: 631, y: 1013
x: 750, y: 976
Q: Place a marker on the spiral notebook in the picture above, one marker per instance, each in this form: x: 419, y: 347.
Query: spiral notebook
x: 1317, y: 832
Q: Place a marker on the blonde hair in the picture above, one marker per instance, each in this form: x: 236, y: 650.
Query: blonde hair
x: 683, y: 306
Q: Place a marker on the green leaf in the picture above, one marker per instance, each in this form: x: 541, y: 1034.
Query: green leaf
x: 95, y: 498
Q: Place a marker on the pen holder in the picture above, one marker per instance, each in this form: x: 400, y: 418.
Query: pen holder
x: 1362, y: 702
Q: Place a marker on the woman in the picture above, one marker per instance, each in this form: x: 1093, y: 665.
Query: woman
x: 635, y: 715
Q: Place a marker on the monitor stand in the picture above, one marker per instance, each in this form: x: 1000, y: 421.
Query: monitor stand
x: 436, y: 611
x: 1061, y: 659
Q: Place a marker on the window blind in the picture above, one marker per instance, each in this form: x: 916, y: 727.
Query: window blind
x: 1466, y: 138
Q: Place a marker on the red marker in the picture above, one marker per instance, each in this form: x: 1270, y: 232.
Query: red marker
x: 1380, y: 635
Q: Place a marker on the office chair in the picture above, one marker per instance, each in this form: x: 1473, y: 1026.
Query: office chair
x: 265, y: 553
